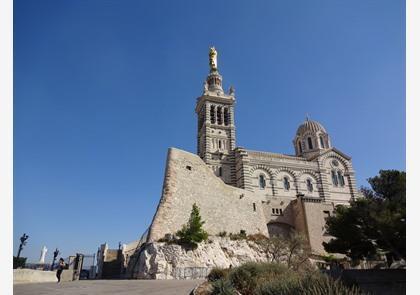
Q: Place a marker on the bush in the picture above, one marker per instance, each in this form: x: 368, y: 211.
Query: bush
x: 168, y: 238
x: 257, y: 237
x: 239, y: 236
x: 19, y: 262
x: 309, y: 285
x: 192, y: 233
x: 217, y: 274
x: 222, y: 287
x: 222, y: 234
x: 275, y: 279
x: 246, y: 277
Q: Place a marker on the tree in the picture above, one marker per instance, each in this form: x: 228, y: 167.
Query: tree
x: 294, y: 250
x: 348, y: 226
x: 298, y: 251
x: 193, y: 233
x: 19, y: 262
x: 373, y: 224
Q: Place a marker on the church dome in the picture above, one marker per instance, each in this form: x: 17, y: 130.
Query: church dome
x: 311, y: 137
x: 310, y: 125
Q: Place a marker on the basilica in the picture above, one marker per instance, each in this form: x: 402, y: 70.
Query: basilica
x: 242, y: 190
x: 283, y: 192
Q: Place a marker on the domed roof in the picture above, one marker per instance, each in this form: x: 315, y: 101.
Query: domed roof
x: 310, y: 125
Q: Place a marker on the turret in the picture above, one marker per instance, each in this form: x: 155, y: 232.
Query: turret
x: 311, y: 137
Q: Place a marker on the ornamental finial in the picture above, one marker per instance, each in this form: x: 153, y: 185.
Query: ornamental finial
x: 232, y: 91
x: 213, y: 58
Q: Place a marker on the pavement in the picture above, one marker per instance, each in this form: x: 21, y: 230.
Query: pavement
x: 123, y: 287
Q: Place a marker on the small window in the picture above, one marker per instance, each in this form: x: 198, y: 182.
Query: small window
x: 220, y: 144
x: 188, y: 168
x: 262, y: 181
x: 334, y: 178
x: 219, y: 115
x: 276, y: 211
x: 286, y: 183
x: 254, y: 206
x: 341, y: 178
x: 212, y: 116
x: 309, y: 185
x: 226, y: 116
x: 310, y: 143
x: 220, y: 171
x: 322, y: 142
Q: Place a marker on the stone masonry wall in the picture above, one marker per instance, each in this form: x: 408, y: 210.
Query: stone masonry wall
x: 314, y: 222
x: 189, y: 180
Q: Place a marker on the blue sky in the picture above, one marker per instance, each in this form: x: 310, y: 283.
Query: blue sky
x: 103, y: 88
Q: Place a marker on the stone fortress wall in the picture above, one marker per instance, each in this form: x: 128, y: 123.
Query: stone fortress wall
x: 189, y: 180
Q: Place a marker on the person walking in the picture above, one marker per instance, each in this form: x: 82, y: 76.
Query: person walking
x: 60, y: 268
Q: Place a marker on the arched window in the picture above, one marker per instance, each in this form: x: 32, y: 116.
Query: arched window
x: 220, y: 144
x: 334, y: 178
x: 322, y: 142
x: 310, y: 143
x: 286, y: 183
x: 309, y: 185
x: 219, y: 115
x: 212, y: 116
x: 262, y: 181
x: 300, y: 146
x: 220, y: 171
x: 340, y: 178
x: 226, y: 116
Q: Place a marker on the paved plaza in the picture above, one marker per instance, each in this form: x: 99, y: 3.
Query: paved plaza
x: 123, y: 287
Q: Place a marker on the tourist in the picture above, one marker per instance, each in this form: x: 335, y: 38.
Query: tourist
x: 60, y: 268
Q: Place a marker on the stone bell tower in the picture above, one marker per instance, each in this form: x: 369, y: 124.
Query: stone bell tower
x: 216, y: 138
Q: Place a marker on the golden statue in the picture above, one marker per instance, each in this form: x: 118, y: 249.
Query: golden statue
x: 213, y: 58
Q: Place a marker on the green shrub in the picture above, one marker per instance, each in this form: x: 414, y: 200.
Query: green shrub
x: 192, y: 233
x: 246, y: 277
x: 310, y: 285
x: 19, y: 262
x: 257, y: 237
x: 222, y: 287
x: 222, y: 234
x: 217, y: 274
x: 275, y: 279
x: 168, y: 238
x: 239, y: 236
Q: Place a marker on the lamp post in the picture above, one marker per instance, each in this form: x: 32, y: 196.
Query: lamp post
x: 56, y: 252
x: 22, y: 243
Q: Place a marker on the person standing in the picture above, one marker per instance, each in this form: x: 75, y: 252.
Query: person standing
x: 60, y: 268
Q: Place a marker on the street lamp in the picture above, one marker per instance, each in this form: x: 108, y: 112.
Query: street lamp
x: 22, y: 243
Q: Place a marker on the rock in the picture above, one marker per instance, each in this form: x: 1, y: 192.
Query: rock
x: 171, y: 261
